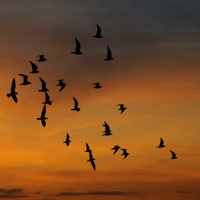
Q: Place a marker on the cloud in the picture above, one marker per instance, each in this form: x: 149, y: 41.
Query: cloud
x: 12, y: 193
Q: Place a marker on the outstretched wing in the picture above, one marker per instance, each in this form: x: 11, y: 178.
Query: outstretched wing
x: 24, y: 76
x: 98, y: 30
x: 13, y: 85
x: 75, y: 103
x: 78, y: 45
x: 161, y: 142
x: 47, y: 97
x: 109, y: 53
x: 43, y: 111
x: 93, y: 164
x: 67, y: 138
x: 34, y: 66
x: 43, y: 82
x: 173, y: 154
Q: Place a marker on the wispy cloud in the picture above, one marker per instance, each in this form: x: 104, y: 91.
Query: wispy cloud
x: 12, y: 193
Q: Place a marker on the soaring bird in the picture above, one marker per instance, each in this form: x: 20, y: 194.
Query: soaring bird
x: 47, y: 99
x: 173, y: 155
x: 43, y: 118
x: 34, y: 68
x: 88, y: 148
x: 67, y: 141
x: 98, y: 34
x: 75, y: 105
x: 125, y: 154
x: 116, y: 148
x: 43, y: 86
x: 122, y: 108
x: 41, y: 58
x: 78, y: 48
x: 61, y: 84
x: 91, y: 159
x: 107, y: 129
x: 109, y: 55
x: 161, y: 145
x: 97, y: 85
x: 26, y: 82
x: 13, y: 93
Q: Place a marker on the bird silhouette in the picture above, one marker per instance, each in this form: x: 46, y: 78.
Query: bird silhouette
x: 43, y: 86
x: 161, y: 145
x: 41, y: 58
x: 173, y: 155
x: 97, y: 85
x: 88, y: 148
x: 116, y: 148
x: 122, y: 108
x: 43, y: 118
x: 26, y: 82
x: 91, y: 159
x: 125, y: 154
x: 67, y: 141
x: 61, y: 84
x: 98, y: 34
x: 13, y: 93
x: 47, y: 99
x: 109, y: 55
x: 34, y: 68
x: 78, y: 48
x: 107, y: 129
x: 75, y: 105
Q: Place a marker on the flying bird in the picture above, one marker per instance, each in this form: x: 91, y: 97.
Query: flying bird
x: 122, y: 108
x: 43, y: 118
x: 75, y: 105
x: 41, y: 58
x: 91, y: 159
x: 109, y: 55
x: 88, y: 148
x: 34, y: 68
x: 98, y: 34
x: 78, y: 48
x: 161, y: 145
x: 125, y: 154
x: 13, y: 93
x: 43, y: 86
x: 107, y: 130
x: 25, y: 81
x: 47, y: 99
x: 61, y: 84
x: 67, y: 141
x: 116, y: 148
x: 97, y: 85
x: 173, y: 155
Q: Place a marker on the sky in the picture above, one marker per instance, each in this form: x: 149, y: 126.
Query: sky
x: 155, y: 74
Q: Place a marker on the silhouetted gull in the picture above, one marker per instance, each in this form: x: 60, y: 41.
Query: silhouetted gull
x: 91, y: 159
x: 34, y: 68
x: 97, y: 85
x: 61, y: 84
x: 98, y: 34
x: 41, y: 58
x: 25, y: 80
x: 109, y: 55
x: 125, y: 154
x: 13, y: 93
x: 47, y: 99
x: 161, y: 145
x: 173, y: 155
x: 78, y: 48
x: 88, y: 148
x: 75, y: 105
x: 116, y: 148
x: 43, y: 118
x: 43, y: 86
x: 67, y: 141
x: 107, y: 130
x: 122, y: 108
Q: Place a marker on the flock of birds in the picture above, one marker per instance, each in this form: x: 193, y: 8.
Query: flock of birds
x: 62, y: 85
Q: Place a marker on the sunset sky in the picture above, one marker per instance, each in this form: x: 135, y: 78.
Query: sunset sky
x: 155, y: 74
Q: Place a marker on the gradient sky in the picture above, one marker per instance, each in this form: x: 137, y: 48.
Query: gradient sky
x: 155, y: 74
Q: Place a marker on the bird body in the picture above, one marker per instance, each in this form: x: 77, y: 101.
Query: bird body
x: 116, y: 148
x: 107, y: 130
x: 122, y: 108
x: 61, y: 84
x: 75, y: 105
x: 109, y: 55
x: 25, y: 82
x: 43, y: 86
x: 67, y: 141
x: 34, y: 68
x: 173, y: 155
x: 47, y: 99
x: 13, y: 93
x: 41, y: 58
x: 98, y: 34
x: 78, y: 48
x: 161, y: 145
x: 43, y: 118
x: 97, y: 85
x: 125, y: 154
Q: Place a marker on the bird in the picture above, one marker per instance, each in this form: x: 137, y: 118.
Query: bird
x: 88, y: 148
x: 107, y: 129
x: 47, y: 99
x: 109, y: 55
x: 78, y: 48
x: 98, y: 34
x: 161, y: 145
x: 125, y: 154
x: 97, y: 85
x: 91, y: 159
x: 43, y: 118
x: 116, y: 148
x: 26, y: 82
x: 67, y: 141
x: 13, y: 93
x: 43, y: 86
x: 75, y: 105
x: 173, y: 155
x: 41, y: 58
x: 61, y: 84
x: 34, y: 68
x: 122, y: 108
